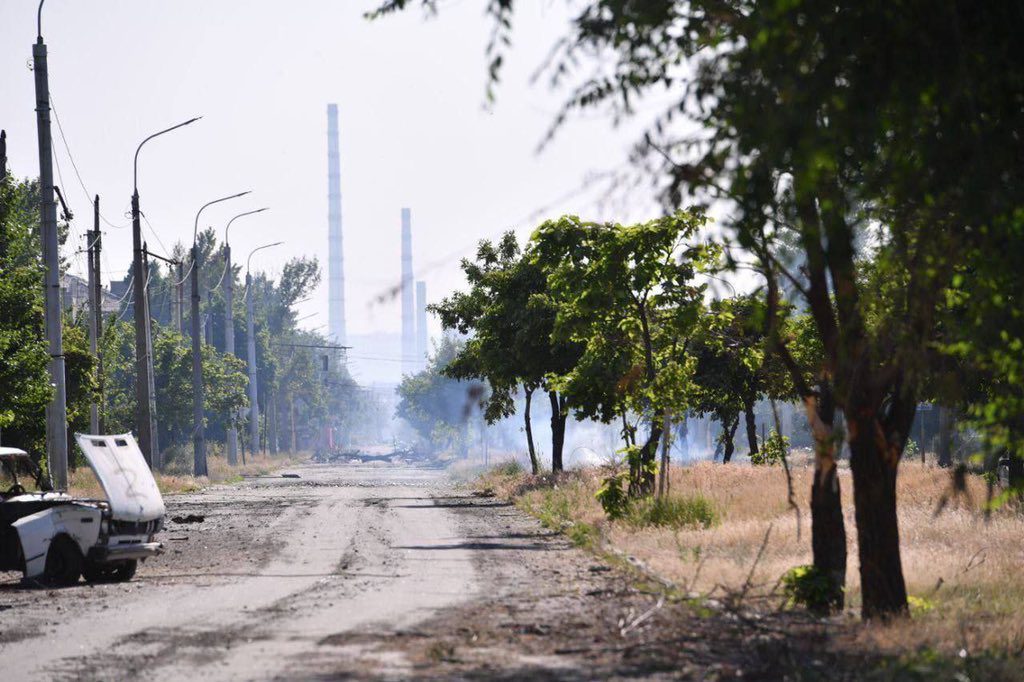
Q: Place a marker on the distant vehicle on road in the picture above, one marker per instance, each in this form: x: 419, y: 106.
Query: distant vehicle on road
x: 56, y: 539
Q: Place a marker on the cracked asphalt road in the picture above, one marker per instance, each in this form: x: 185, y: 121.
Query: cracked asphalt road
x: 276, y: 566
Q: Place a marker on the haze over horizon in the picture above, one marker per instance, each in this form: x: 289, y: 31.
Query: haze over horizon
x: 415, y: 131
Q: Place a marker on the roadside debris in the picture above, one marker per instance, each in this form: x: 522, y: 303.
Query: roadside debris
x: 189, y: 518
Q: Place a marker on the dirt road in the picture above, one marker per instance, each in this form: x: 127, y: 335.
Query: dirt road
x: 362, y: 572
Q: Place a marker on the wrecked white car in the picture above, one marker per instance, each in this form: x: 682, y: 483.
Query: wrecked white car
x: 56, y: 539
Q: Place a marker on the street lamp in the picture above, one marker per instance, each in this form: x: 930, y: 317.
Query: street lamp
x: 199, y: 429
x: 250, y: 326
x: 56, y: 410
x: 145, y: 385
x: 229, y: 326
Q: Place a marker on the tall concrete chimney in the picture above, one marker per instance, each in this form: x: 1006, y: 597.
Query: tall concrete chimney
x: 409, y: 364
x: 335, y: 253
x: 421, y: 323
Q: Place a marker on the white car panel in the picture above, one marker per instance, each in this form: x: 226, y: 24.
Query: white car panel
x: 81, y: 522
x: 124, y: 475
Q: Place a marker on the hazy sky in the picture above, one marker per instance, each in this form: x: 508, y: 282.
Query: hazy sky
x: 414, y: 130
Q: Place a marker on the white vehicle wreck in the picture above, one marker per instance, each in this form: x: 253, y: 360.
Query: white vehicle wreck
x: 55, y: 538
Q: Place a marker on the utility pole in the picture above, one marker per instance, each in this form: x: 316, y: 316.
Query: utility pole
x: 56, y: 412
x: 145, y: 417
x: 229, y: 325
x: 250, y: 332
x: 198, y: 430
x: 198, y: 411
x: 181, y: 298
x: 96, y: 319
x: 155, y: 462
x: 3, y: 211
x: 145, y: 401
x: 229, y: 344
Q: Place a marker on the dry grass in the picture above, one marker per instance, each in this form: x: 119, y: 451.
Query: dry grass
x: 963, y: 569
x: 176, y: 480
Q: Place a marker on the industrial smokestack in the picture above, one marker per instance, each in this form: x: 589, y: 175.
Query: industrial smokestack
x: 421, y: 323
x: 335, y: 254
x: 409, y: 364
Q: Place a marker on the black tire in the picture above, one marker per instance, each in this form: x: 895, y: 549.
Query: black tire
x: 63, y: 562
x: 117, y: 572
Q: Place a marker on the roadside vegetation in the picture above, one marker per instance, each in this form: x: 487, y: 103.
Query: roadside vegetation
x: 864, y: 164
x: 726, y: 537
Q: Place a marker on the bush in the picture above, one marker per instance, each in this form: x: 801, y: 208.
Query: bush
x: 673, y: 512
x: 773, y: 450
x: 613, y: 496
x: 509, y: 469
x: 808, y: 587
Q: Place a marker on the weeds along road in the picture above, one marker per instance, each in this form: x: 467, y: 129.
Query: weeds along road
x: 253, y: 582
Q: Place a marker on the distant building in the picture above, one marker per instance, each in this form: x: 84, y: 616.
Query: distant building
x: 75, y: 295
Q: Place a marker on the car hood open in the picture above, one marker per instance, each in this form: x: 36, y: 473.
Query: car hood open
x: 126, y: 479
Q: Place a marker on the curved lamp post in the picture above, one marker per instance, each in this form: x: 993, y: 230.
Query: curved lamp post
x: 250, y: 326
x: 229, y: 326
x: 145, y: 387
x: 199, y: 428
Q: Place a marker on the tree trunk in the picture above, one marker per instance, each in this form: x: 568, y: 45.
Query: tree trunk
x: 828, y: 527
x: 748, y: 412
x: 271, y: 423
x: 557, y: 430
x: 728, y: 431
x: 828, y: 532
x: 642, y: 475
x: 666, y: 444
x: 947, y: 426
x: 884, y: 592
x: 534, y: 464
x: 628, y: 432
x: 291, y: 419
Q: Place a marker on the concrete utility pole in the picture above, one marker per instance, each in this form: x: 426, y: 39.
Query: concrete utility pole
x: 198, y: 411
x: 56, y: 412
x: 229, y: 326
x: 250, y: 327
x: 145, y: 401
x: 96, y: 308
x: 180, y: 286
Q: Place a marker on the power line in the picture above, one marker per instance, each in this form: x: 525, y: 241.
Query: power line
x: 74, y: 165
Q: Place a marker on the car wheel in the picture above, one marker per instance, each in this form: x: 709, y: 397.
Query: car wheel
x: 125, y: 570
x: 118, y: 572
x: 63, y: 562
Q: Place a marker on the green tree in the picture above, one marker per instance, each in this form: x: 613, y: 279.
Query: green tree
x: 510, y: 320
x: 24, y: 382
x: 822, y: 120
x: 629, y: 296
x: 437, y: 406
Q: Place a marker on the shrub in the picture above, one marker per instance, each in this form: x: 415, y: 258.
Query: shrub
x: 509, y: 469
x: 772, y: 451
x: 613, y: 496
x: 808, y: 587
x: 673, y: 512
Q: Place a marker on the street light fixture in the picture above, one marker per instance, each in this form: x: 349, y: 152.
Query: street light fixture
x: 229, y: 325
x: 250, y: 326
x: 199, y: 428
x: 145, y: 383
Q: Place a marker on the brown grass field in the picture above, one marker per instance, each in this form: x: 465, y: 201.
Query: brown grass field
x: 176, y: 478
x: 962, y: 567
